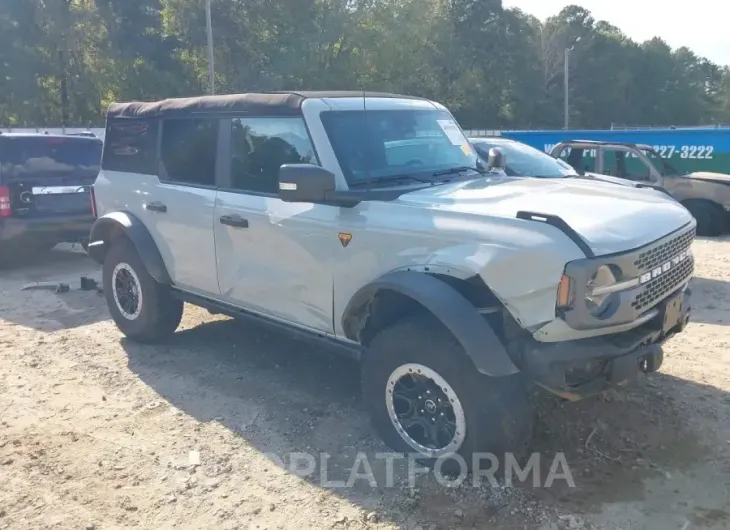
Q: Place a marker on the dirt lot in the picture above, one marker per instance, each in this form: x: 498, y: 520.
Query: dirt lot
x: 97, y: 432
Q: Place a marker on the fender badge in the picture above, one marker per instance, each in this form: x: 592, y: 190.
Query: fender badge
x: 344, y: 238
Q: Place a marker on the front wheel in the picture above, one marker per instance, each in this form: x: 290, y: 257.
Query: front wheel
x: 143, y: 309
x: 426, y: 398
x: 710, y: 217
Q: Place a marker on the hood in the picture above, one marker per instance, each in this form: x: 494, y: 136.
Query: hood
x: 609, y: 218
x: 720, y: 178
x: 609, y: 178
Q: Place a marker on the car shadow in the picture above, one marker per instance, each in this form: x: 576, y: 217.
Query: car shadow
x: 283, y: 396
x: 41, y: 307
x: 710, y: 301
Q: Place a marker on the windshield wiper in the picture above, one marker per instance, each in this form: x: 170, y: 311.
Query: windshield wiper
x: 391, y: 178
x: 456, y: 170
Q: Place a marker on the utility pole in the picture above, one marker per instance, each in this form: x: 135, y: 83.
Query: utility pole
x: 211, y: 65
x: 566, y: 83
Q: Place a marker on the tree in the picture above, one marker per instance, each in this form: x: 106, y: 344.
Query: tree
x: 64, y: 61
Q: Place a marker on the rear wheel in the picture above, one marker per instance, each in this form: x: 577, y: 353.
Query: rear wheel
x: 143, y: 309
x: 425, y: 397
x: 710, y: 217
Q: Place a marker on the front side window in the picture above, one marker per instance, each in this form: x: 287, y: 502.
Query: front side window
x: 525, y: 161
x: 580, y: 159
x: 387, y: 144
x: 188, y: 151
x: 260, y: 146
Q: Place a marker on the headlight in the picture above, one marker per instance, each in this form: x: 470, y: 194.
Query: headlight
x: 600, y: 291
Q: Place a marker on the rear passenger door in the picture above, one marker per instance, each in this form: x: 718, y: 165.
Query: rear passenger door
x: 163, y: 172
x: 178, y: 209
x: 273, y: 257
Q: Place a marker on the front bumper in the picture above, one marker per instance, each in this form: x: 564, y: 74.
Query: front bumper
x: 580, y: 368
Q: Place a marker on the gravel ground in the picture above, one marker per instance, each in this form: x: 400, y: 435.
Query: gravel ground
x: 97, y: 432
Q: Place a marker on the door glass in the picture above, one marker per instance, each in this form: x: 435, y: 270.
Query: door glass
x: 580, y: 159
x: 260, y: 146
x: 188, y: 151
x: 613, y: 163
x: 626, y: 165
x: 130, y: 145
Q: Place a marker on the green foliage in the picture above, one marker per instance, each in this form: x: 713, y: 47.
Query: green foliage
x: 64, y: 61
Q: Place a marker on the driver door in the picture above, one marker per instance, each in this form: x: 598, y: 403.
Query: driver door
x: 273, y: 258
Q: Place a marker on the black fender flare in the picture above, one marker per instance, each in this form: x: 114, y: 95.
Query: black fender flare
x: 456, y: 313
x: 105, y: 227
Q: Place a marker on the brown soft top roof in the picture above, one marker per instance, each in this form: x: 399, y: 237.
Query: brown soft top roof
x: 260, y: 103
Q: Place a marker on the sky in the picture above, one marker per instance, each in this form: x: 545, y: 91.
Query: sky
x: 701, y: 25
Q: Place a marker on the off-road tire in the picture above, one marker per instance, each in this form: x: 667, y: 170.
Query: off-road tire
x: 159, y: 313
x: 499, y: 415
x: 710, y: 217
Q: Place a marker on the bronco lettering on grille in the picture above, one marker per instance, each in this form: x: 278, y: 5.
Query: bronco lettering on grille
x: 665, y: 267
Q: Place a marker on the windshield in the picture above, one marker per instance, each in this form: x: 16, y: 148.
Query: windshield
x: 35, y: 154
x: 386, y: 145
x: 664, y: 167
x: 525, y: 161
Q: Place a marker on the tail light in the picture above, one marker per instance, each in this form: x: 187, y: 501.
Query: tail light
x: 92, y: 198
x: 5, y: 201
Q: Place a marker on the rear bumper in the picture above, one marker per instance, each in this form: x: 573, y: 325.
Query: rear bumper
x: 57, y: 229
x: 580, y: 368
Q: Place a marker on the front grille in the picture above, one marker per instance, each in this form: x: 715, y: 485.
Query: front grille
x: 664, y: 285
x: 666, y: 251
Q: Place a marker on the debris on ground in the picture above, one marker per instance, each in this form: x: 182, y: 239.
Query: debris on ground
x: 89, y: 284
x: 47, y: 286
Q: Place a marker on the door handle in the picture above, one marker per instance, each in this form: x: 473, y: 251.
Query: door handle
x: 236, y: 221
x: 156, y: 207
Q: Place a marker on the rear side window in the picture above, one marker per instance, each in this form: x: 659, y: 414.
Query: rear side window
x: 48, y: 154
x: 188, y: 151
x: 131, y: 146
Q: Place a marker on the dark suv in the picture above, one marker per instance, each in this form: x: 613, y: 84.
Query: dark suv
x: 45, y: 186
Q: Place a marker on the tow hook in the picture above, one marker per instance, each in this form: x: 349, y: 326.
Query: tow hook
x: 652, y: 361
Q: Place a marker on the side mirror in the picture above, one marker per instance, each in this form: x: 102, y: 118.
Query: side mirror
x: 305, y: 183
x: 497, y: 159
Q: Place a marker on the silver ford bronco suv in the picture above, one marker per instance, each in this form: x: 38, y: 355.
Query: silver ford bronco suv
x: 367, y: 220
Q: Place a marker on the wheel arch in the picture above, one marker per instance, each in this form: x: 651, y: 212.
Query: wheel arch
x: 455, y: 302
x: 700, y: 200
x: 112, y: 226
x: 720, y: 217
